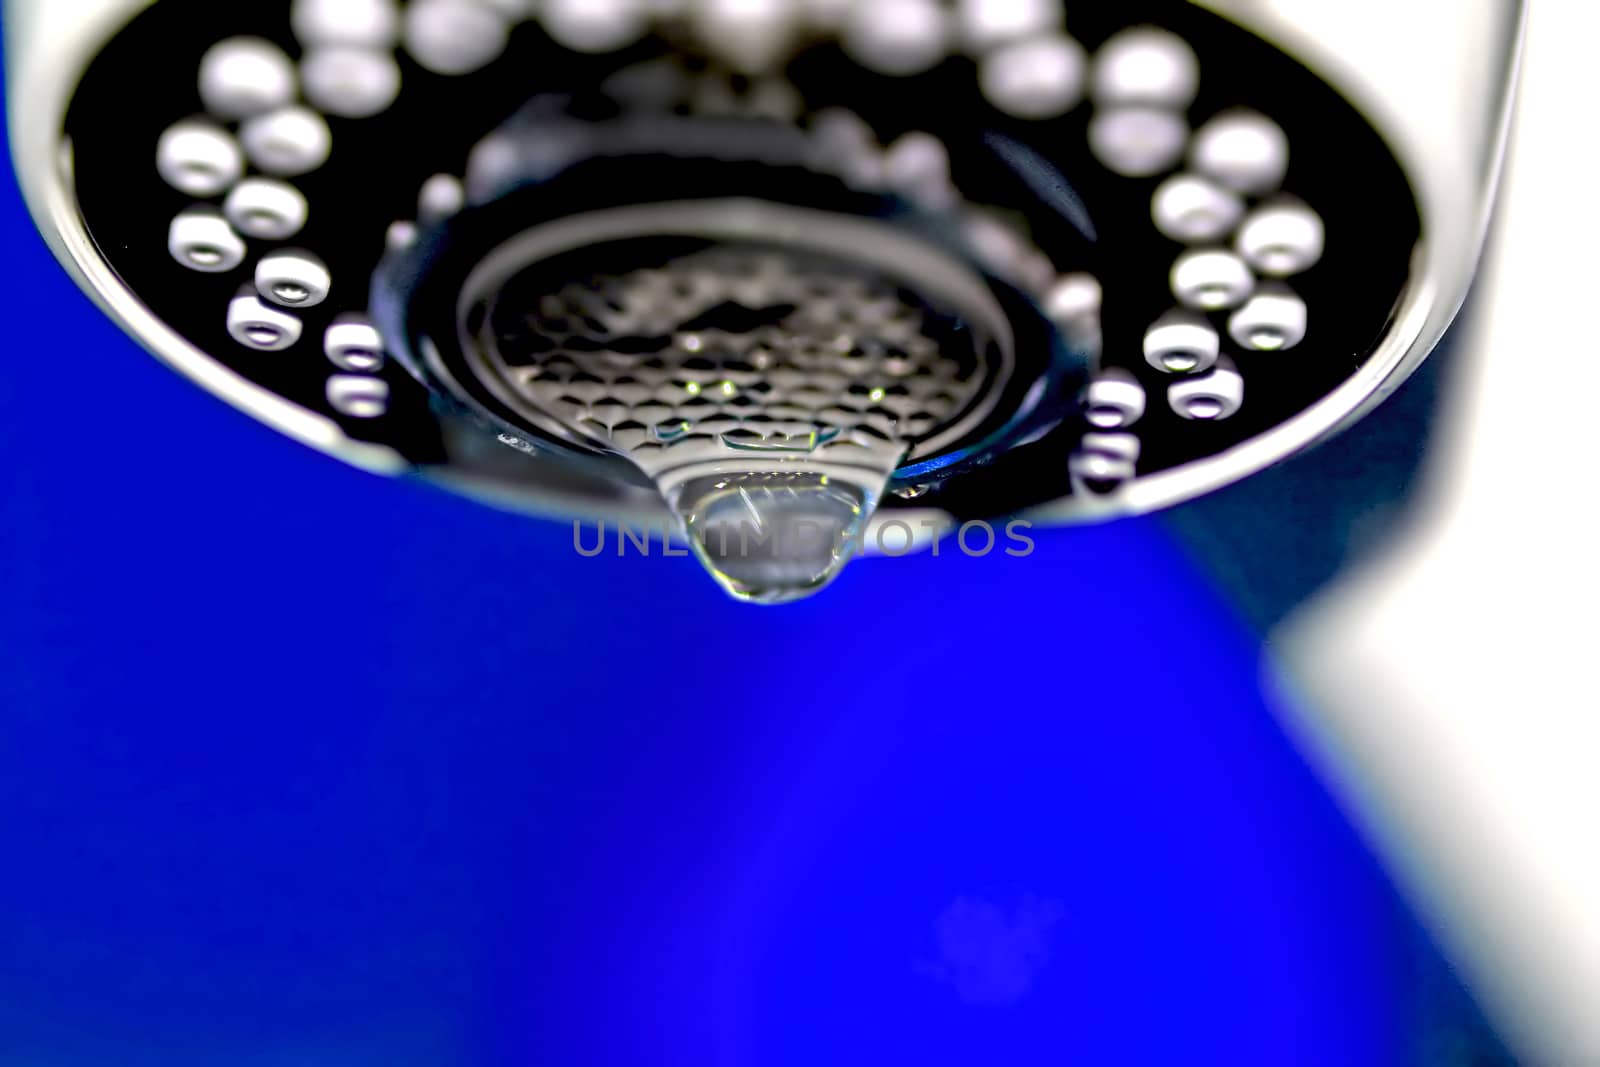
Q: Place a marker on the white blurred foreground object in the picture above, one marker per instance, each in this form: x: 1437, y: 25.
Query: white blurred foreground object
x: 1452, y: 679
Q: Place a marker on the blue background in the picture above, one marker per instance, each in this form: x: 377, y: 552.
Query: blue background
x: 305, y: 767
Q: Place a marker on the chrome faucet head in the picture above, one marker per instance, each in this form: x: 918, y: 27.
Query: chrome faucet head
x: 771, y: 268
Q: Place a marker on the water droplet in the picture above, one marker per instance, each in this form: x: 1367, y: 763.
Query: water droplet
x: 771, y: 538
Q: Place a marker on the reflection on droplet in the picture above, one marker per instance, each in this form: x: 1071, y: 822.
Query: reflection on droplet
x: 771, y: 538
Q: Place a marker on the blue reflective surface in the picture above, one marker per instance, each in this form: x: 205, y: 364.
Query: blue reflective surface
x: 302, y: 767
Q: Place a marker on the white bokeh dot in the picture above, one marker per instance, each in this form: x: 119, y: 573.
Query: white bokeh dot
x: 289, y: 142
x: 350, y: 82
x: 245, y: 76
x: 1041, y: 78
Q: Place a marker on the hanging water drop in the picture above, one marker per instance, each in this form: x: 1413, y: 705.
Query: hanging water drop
x: 769, y: 393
